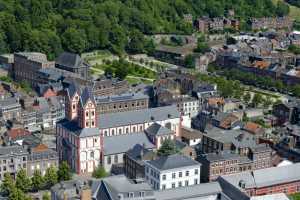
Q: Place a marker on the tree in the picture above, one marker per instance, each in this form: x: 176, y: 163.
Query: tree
x: 247, y: 97
x: 257, y: 99
x: 46, y: 196
x: 50, y: 177
x: 167, y: 148
x: 74, y: 40
x: 23, y: 181
x: 37, y: 180
x: 189, y: 61
x: 282, y: 9
x: 64, y: 172
x: 99, y: 172
x: 7, y: 184
x: 231, y: 40
x: 121, y: 72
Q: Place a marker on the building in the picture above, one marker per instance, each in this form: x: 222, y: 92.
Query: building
x: 191, y: 136
x: 118, y: 187
x: 134, y: 158
x: 27, y: 65
x: 158, y: 134
x: 115, y: 148
x: 172, y: 171
x: 287, y: 112
x: 86, y: 139
x: 10, y: 109
x: 186, y: 105
x: 73, y: 63
x: 109, y: 86
x: 73, y: 189
x: 121, y: 103
x: 41, y: 158
x: 273, y: 180
x: 12, y: 159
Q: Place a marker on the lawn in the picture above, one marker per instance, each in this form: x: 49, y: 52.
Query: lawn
x: 294, y: 11
x: 295, y: 196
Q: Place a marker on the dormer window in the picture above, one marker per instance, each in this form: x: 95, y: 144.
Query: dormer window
x: 131, y: 195
x: 142, y: 194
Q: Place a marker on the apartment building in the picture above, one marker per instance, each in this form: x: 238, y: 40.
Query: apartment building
x: 172, y: 171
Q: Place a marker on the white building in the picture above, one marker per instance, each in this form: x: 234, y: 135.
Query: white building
x: 172, y: 172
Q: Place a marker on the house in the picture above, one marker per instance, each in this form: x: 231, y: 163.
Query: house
x: 191, y: 136
x: 134, y: 158
x: 73, y: 189
x: 114, y: 149
x: 10, y: 109
x: 158, y: 134
x: 73, y: 63
x: 254, y: 128
x: 119, y: 187
x: 287, y: 112
x: 266, y: 181
x: 172, y: 171
x: 186, y: 150
x: 225, y: 120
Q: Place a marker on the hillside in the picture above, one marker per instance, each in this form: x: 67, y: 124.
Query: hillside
x: 51, y: 26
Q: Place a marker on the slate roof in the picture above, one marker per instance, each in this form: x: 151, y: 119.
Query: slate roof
x: 73, y: 127
x: 69, y: 60
x: 12, y: 150
x: 122, y: 143
x: 11, y: 101
x: 221, y: 156
x: 172, y: 162
x: 86, y: 95
x: 121, y: 97
x: 72, y: 89
x: 195, y: 191
x: 266, y: 177
x: 158, y: 130
x: 137, y: 116
x: 138, y: 150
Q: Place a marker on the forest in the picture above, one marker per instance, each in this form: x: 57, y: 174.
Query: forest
x: 53, y: 26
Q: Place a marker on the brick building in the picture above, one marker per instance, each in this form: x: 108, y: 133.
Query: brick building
x: 284, y: 179
x: 27, y: 65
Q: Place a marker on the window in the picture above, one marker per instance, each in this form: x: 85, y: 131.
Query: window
x: 105, y: 133
x: 180, y: 174
x: 164, y: 177
x: 93, y: 113
x: 187, y: 173
x: 131, y: 194
x: 127, y: 130
x: 147, y: 169
x: 179, y: 184
x: 24, y: 158
x: 113, y: 132
x: 87, y: 114
x: 109, y: 160
x: 120, y: 131
x: 92, y: 154
x: 142, y: 194
x: 173, y: 185
x: 163, y: 186
x: 186, y: 183
x: 173, y: 175
x: 133, y: 129
x: 196, y: 171
x: 86, y: 124
x: 195, y: 181
x: 4, y: 168
x: 116, y: 160
x: 73, y: 106
x: 93, y: 123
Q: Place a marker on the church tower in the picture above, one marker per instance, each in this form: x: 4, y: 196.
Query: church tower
x: 87, y: 110
x: 72, y: 100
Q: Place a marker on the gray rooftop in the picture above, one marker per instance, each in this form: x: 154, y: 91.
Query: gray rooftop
x: 172, y: 162
x: 195, y: 191
x: 122, y: 143
x: 73, y: 127
x: 70, y: 60
x: 120, y: 98
x: 7, y: 102
x: 212, y: 157
x: 266, y: 177
x: 12, y: 150
x: 158, y: 130
x: 137, y: 116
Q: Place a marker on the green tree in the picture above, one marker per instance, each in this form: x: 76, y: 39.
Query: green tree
x: 50, y: 177
x: 247, y: 97
x: 46, y: 196
x: 167, y: 148
x: 99, y: 172
x: 64, y: 172
x: 257, y: 99
x: 23, y: 181
x: 189, y: 61
x: 37, y: 180
x: 7, y: 184
x: 74, y: 40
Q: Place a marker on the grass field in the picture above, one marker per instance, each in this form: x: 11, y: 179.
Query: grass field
x: 294, y: 11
